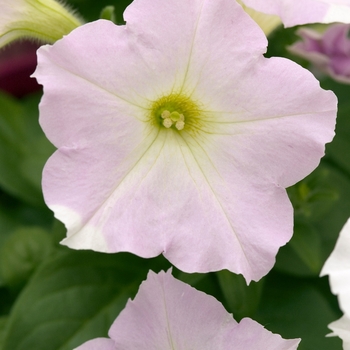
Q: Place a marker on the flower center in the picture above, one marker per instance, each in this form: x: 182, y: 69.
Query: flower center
x: 173, y: 118
x: 174, y: 111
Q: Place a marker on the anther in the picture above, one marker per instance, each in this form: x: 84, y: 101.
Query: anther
x: 173, y: 118
x: 167, y: 122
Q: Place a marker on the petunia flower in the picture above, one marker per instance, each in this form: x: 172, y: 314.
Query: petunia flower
x: 328, y: 51
x: 337, y: 267
x: 296, y: 12
x: 169, y: 314
x: 45, y: 20
x: 175, y: 135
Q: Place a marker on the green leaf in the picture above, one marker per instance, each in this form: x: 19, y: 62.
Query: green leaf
x: 302, y: 256
x: 108, y: 13
x: 22, y: 138
x: 338, y: 150
x: 240, y: 299
x: 8, y: 220
x: 90, y: 9
x: 22, y: 253
x: 299, y: 308
x: 74, y: 297
x: 314, y: 196
x: 205, y: 282
x: 3, y: 320
x: 328, y: 226
x: 14, y: 214
x: 315, y: 235
x: 7, y: 299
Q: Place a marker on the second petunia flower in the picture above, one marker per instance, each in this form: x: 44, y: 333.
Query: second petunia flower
x: 176, y: 136
x: 169, y: 314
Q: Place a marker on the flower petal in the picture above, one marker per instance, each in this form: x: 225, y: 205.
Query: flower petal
x: 121, y: 183
x: 250, y: 335
x: 167, y: 313
x: 328, y: 51
x: 337, y: 267
x: 341, y: 328
x: 296, y: 12
x: 98, y: 344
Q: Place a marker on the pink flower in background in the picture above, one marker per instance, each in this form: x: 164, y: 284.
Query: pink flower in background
x: 169, y: 314
x: 338, y: 268
x: 176, y: 136
x: 329, y: 51
x: 17, y: 62
x: 296, y: 12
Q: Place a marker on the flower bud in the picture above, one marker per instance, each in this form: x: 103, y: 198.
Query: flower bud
x: 44, y: 20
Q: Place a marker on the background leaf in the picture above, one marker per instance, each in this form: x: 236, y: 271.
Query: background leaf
x: 299, y: 308
x: 22, y: 253
x: 240, y: 299
x: 23, y: 149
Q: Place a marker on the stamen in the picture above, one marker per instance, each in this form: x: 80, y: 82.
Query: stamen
x: 173, y: 118
x: 175, y: 111
x: 165, y: 114
x: 180, y: 124
x: 167, y: 122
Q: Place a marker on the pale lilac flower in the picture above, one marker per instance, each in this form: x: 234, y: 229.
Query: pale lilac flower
x: 176, y: 136
x: 296, y: 12
x: 169, y: 314
x: 328, y: 51
x: 337, y: 267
